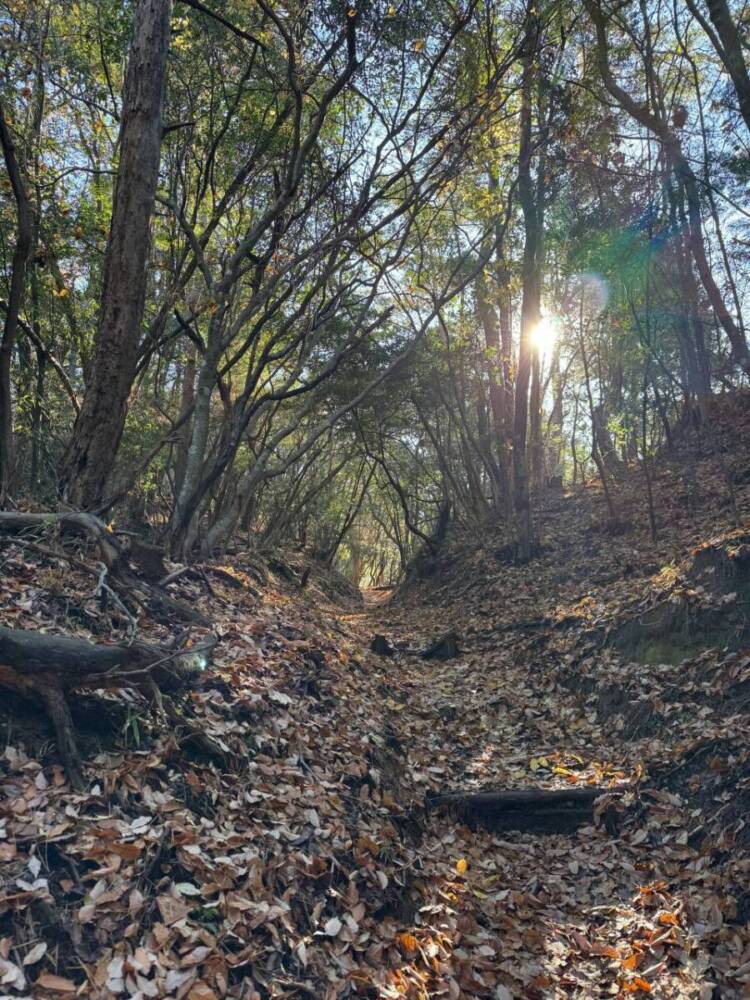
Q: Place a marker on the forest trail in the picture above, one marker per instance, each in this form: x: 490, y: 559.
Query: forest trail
x: 271, y: 841
x: 579, y: 914
x: 303, y: 297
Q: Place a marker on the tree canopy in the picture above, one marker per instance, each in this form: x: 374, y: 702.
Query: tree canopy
x: 340, y: 275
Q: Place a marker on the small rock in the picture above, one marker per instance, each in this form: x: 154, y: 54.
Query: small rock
x: 381, y: 646
x: 445, y: 648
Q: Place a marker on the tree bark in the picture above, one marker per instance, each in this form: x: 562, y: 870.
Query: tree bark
x: 98, y: 430
x: 15, y: 301
x: 727, y: 41
x: 530, y: 307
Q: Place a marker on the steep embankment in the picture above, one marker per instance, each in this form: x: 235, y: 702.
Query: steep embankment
x: 271, y: 842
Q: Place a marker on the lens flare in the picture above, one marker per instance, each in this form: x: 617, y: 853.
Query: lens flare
x: 595, y: 289
x: 544, y: 334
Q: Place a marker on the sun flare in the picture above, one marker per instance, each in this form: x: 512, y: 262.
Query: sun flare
x: 544, y: 334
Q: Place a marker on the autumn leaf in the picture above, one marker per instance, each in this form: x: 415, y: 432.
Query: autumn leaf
x: 36, y: 954
x: 201, y: 991
x: 605, y: 950
x: 48, y: 981
x: 128, y: 852
x: 407, y: 942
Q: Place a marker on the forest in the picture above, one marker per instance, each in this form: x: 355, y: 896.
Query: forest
x: 374, y: 499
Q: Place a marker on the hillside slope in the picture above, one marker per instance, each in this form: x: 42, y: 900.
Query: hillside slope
x: 273, y: 842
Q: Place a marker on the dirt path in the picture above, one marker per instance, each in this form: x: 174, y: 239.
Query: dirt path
x: 520, y: 915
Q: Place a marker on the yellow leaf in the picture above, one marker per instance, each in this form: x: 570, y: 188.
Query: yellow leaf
x: 419, y: 45
x: 462, y: 866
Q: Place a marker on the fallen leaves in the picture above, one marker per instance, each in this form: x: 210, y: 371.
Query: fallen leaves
x: 332, y: 927
x: 407, y: 942
x: 56, y: 984
x: 300, y: 867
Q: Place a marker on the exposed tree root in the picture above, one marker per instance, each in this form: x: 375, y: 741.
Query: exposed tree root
x: 82, y: 524
x: 111, y: 553
x: 52, y: 665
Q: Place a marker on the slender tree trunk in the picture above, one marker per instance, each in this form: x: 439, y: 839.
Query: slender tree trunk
x: 595, y: 449
x: 727, y: 41
x: 15, y: 300
x: 98, y: 430
x: 536, y: 454
x: 530, y: 307
x: 37, y: 412
x: 493, y: 361
x: 187, y: 402
x: 646, y: 459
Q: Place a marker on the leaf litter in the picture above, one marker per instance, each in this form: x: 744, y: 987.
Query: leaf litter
x: 300, y: 863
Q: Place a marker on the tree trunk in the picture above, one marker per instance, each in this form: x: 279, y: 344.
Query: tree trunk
x: 540, y: 810
x: 53, y: 665
x: 98, y: 430
x: 727, y: 41
x: 530, y: 308
x: 187, y: 403
x: 15, y: 300
x: 488, y: 316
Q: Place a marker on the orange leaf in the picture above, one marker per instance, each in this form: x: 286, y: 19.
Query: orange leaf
x: 642, y: 984
x: 669, y: 918
x: 605, y: 950
x: 128, y: 852
x: 462, y: 866
x: 630, y: 962
x: 407, y: 941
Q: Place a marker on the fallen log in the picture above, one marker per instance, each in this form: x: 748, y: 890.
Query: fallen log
x: 52, y: 665
x: 538, y: 810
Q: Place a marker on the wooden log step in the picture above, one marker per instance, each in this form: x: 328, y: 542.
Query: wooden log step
x: 539, y: 810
